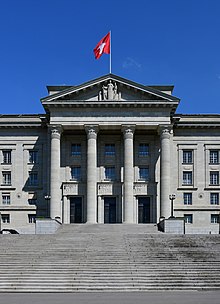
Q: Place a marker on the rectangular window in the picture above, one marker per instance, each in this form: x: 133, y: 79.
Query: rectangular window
x: 188, y: 218
x: 76, y: 149
x: 187, y: 198
x: 214, y: 198
x: 214, y: 156
x: 214, y: 218
x: 187, y: 178
x: 110, y: 173
x: 33, y: 179
x: 144, y: 174
x: 32, y: 201
x: 187, y: 156
x: 31, y: 218
x: 143, y: 150
x: 33, y: 156
x: 6, y: 178
x: 214, y: 178
x: 6, y: 156
x: 6, y: 199
x: 5, y: 218
x: 109, y: 149
x: 76, y: 173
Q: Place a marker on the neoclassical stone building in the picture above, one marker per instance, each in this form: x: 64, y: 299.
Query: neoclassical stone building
x: 110, y: 151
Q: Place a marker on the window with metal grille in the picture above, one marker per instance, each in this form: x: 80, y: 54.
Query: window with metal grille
x: 109, y: 149
x: 143, y: 150
x: 214, y: 218
x: 188, y: 218
x: 214, y: 198
x: 187, y: 177
x: 110, y: 173
x: 6, y: 156
x: 187, y: 156
x: 33, y: 179
x: 76, y: 173
x: 6, y: 178
x: 6, y: 199
x: 187, y: 198
x: 144, y: 173
x: 33, y: 156
x: 214, y: 178
x: 214, y: 156
x: 76, y: 149
x: 5, y: 218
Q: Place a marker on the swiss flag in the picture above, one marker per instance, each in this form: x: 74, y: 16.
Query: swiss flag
x: 102, y: 47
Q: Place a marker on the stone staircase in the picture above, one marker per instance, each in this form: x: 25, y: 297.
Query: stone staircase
x: 81, y: 258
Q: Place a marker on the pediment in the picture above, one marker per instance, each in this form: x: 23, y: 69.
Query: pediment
x: 108, y: 88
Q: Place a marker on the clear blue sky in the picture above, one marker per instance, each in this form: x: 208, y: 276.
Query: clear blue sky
x: 50, y: 42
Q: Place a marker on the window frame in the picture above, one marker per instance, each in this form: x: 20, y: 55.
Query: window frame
x: 188, y: 218
x: 142, y: 152
x: 6, y: 199
x: 6, y: 178
x: 110, y: 173
x: 187, y: 181
x: 214, y: 219
x: 33, y: 182
x: 186, y: 158
x: 78, y: 175
x: 5, y: 218
x: 77, y: 152
x: 214, y: 178
x: 33, y: 157
x: 187, y: 198
x: 110, y: 150
x: 212, y: 159
x: 214, y: 198
x: 143, y: 176
x: 6, y: 156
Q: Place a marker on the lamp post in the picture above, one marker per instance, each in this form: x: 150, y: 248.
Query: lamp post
x: 172, y: 198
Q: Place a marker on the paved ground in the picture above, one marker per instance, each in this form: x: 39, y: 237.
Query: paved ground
x: 212, y: 297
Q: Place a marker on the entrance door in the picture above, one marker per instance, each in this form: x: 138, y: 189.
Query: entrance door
x: 144, y: 210
x: 76, y: 210
x: 110, y: 210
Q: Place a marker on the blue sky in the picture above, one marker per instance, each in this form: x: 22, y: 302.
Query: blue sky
x: 50, y: 42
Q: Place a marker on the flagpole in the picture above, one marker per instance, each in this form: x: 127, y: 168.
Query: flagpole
x: 110, y: 58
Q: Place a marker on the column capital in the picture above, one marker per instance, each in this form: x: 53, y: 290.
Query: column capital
x: 165, y: 131
x: 55, y: 131
x: 128, y: 131
x: 91, y: 131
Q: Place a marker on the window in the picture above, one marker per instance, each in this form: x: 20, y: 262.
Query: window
x: 144, y: 174
x: 31, y: 218
x: 214, y: 198
x: 5, y: 218
x: 188, y: 218
x: 6, y: 199
x: 143, y: 150
x: 214, y: 218
x: 187, y: 177
x: 110, y: 173
x: 33, y: 179
x: 214, y: 157
x: 33, y: 156
x: 214, y: 178
x: 109, y: 149
x: 76, y: 149
x: 187, y: 198
x: 76, y: 173
x: 32, y: 201
x: 187, y: 156
x: 6, y: 178
x: 6, y: 156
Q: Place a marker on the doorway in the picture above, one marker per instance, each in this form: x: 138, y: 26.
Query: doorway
x: 110, y: 210
x: 76, y: 210
x: 144, y: 212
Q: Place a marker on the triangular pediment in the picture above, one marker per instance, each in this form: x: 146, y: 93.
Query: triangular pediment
x: 108, y: 88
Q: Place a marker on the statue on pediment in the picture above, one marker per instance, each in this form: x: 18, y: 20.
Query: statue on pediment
x: 109, y: 92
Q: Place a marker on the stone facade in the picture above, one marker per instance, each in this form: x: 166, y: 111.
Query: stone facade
x: 110, y: 151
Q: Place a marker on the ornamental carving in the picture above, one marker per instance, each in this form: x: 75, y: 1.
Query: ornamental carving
x: 140, y: 189
x: 105, y: 189
x: 165, y: 133
x: 70, y: 189
x: 55, y: 133
x: 109, y: 92
x: 91, y: 131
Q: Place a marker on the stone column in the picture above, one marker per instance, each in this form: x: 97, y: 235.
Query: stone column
x: 100, y: 210
x: 165, y: 173
x: 91, y: 173
x: 55, y: 192
x: 128, y: 175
